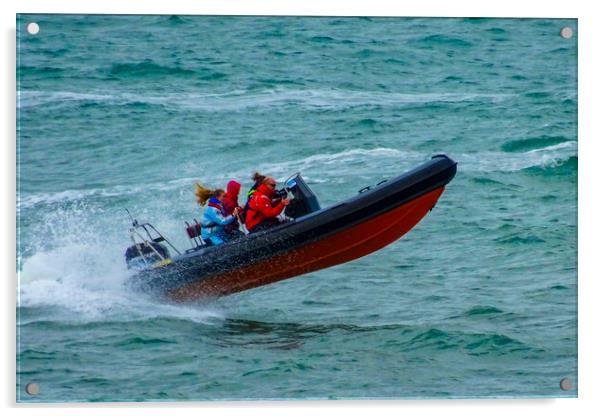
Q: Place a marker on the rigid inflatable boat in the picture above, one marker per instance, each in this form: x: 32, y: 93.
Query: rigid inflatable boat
x: 311, y: 239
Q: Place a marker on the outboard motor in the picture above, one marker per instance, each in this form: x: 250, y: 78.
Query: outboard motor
x: 146, y: 250
x: 304, y: 200
x: 140, y: 256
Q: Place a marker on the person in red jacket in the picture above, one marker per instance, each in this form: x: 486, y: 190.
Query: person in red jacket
x: 263, y: 211
x: 230, y: 203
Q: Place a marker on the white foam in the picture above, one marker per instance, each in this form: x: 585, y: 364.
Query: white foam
x: 74, y: 268
x: 80, y: 285
x: 77, y: 303
x: 239, y: 99
x: 511, y: 162
x: 30, y: 98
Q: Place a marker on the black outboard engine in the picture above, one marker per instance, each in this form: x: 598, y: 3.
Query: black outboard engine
x: 147, y: 250
x: 304, y: 201
x: 140, y: 256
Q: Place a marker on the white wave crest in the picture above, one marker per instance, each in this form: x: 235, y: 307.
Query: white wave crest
x: 512, y: 162
x: 331, y: 168
x: 332, y: 99
x: 307, y: 165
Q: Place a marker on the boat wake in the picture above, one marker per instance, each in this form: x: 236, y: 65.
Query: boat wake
x: 76, y: 281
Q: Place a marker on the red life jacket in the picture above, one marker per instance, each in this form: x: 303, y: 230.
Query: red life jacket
x: 260, y: 207
x: 231, y: 197
x: 230, y: 203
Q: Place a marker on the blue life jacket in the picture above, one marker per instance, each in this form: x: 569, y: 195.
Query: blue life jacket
x: 213, y: 220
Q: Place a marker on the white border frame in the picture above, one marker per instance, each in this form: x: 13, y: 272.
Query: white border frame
x: 589, y: 31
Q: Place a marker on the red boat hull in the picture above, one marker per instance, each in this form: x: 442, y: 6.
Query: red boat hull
x: 349, y: 244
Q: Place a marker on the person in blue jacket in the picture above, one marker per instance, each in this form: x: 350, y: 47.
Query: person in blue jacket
x: 214, y: 217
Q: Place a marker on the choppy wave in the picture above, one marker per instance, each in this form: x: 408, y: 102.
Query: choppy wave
x: 408, y: 337
x: 547, y: 157
x: 147, y: 69
x: 281, y: 169
x: 331, y: 167
x: 558, y: 168
x: 483, y: 310
x: 432, y: 41
x: 48, y: 72
x: 533, y: 143
x: 474, y: 344
x: 332, y: 99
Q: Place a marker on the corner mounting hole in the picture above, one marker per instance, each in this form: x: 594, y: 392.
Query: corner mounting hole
x: 32, y: 389
x: 565, y: 384
x: 33, y: 28
x: 566, y: 32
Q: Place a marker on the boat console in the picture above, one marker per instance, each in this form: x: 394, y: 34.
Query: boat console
x: 304, y: 200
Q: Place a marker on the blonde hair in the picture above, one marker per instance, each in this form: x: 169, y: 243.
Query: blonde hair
x: 203, y: 194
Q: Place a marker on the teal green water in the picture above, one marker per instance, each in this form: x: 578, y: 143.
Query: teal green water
x: 478, y: 300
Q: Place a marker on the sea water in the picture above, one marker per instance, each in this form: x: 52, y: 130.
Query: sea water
x: 117, y: 112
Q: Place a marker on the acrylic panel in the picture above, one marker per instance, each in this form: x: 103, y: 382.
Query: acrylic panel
x: 412, y: 233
